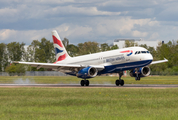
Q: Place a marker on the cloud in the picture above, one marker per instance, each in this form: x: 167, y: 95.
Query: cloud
x: 139, y: 34
x: 169, y: 14
x: 127, y: 5
x: 74, y: 32
x: 80, y: 21
x: 154, y: 36
x: 70, y: 31
x: 5, y: 34
x: 8, y: 14
x: 98, y: 29
x: 27, y: 37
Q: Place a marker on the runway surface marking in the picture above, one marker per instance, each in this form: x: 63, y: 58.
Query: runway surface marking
x: 91, y: 85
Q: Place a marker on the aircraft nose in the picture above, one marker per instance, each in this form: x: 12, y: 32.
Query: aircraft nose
x: 148, y: 57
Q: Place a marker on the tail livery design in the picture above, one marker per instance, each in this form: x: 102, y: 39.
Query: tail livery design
x: 60, y: 51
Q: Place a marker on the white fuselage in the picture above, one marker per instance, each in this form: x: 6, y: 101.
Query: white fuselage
x: 112, y: 57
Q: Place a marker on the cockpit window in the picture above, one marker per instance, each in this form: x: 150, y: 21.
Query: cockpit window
x: 143, y: 51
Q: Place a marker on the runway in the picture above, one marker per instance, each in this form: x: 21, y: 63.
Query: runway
x: 91, y: 86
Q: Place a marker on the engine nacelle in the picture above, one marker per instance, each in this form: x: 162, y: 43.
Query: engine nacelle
x: 142, y: 72
x: 87, y: 72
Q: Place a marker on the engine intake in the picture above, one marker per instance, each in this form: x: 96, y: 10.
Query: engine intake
x: 142, y: 72
x: 87, y: 72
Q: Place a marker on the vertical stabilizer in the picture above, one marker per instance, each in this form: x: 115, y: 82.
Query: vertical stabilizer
x: 60, y: 51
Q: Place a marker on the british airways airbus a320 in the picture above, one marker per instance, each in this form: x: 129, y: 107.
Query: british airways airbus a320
x: 135, y: 59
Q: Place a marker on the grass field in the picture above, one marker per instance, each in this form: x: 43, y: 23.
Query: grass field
x: 88, y: 103
x: 96, y: 80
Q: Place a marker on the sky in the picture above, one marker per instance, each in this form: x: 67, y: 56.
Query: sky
x: 80, y: 21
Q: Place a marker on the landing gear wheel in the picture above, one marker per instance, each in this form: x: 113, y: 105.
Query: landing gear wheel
x: 82, y: 82
x: 137, y: 78
x: 117, y: 82
x: 87, y: 82
x: 121, y: 82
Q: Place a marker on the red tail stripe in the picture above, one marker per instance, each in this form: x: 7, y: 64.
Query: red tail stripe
x: 62, y: 57
x: 56, y: 41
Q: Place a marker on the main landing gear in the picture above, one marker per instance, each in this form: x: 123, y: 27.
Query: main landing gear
x: 84, y: 82
x: 120, y: 81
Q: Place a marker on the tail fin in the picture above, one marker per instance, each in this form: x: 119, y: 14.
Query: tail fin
x: 60, y: 51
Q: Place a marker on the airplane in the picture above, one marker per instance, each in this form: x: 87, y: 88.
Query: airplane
x: 135, y: 59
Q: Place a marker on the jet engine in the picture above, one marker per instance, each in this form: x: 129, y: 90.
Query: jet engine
x: 142, y: 72
x: 87, y: 72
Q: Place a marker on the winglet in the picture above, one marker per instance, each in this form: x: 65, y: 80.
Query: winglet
x: 160, y: 61
x: 165, y: 60
x: 14, y: 62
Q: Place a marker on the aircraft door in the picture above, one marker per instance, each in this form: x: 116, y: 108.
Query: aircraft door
x: 127, y: 58
x: 100, y: 60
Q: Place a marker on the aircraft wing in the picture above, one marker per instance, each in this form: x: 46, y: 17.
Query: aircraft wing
x: 160, y: 61
x: 58, y: 66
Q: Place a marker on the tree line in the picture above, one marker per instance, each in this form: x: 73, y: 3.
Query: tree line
x: 43, y: 51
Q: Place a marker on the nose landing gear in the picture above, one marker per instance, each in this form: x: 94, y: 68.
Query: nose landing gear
x: 137, y: 76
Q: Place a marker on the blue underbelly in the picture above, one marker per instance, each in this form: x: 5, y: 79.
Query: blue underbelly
x: 125, y: 66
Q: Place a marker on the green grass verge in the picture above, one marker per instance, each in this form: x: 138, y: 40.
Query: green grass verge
x: 96, y: 80
x: 88, y: 103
